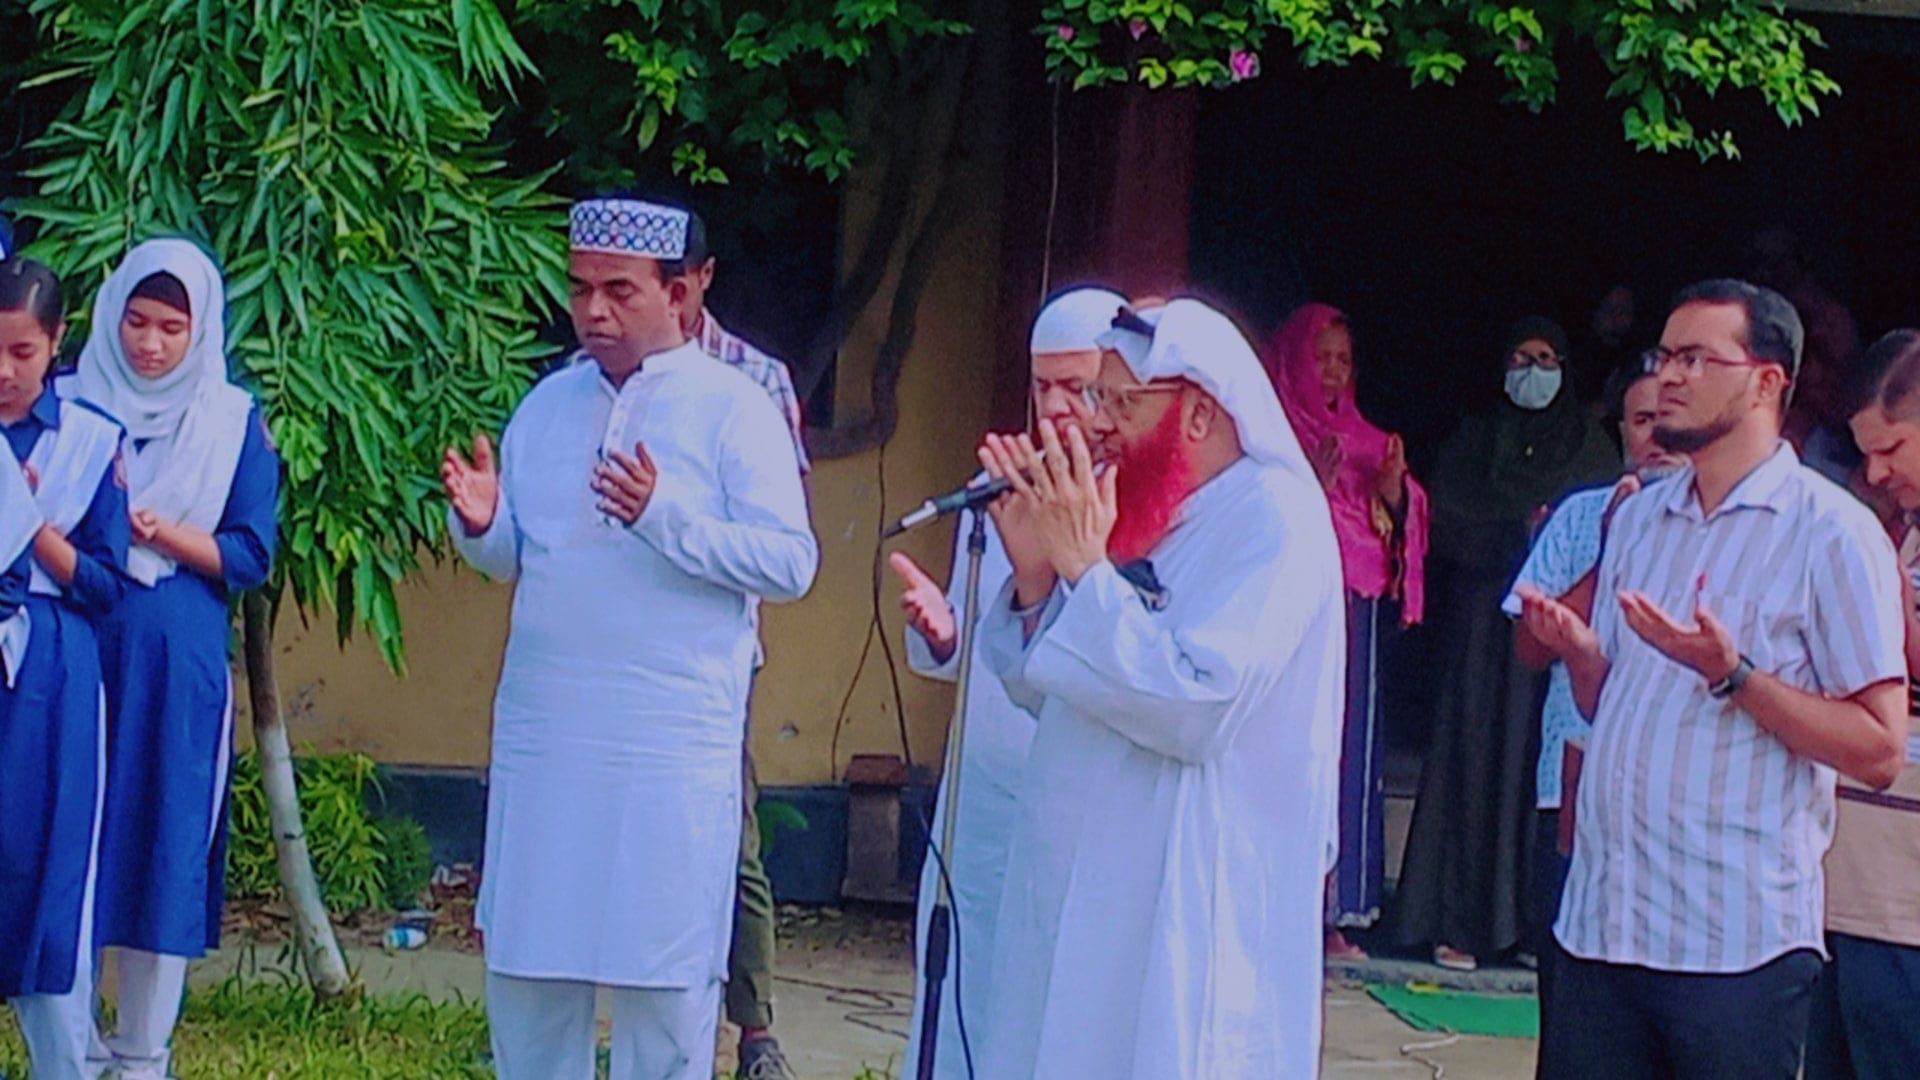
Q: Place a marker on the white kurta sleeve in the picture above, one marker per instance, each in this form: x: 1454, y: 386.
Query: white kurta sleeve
x: 1167, y: 682
x: 762, y: 545
x: 496, y: 552
x: 1007, y: 646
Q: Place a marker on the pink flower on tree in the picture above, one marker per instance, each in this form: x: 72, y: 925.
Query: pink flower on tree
x: 1138, y: 28
x: 1244, y: 63
x: 1065, y: 32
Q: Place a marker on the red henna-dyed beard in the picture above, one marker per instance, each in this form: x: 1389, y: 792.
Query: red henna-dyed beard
x: 1154, y: 479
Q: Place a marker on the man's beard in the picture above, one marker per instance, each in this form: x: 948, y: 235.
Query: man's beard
x: 1693, y: 440
x: 1154, y: 480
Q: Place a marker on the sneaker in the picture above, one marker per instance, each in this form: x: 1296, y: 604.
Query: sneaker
x: 761, y: 1059
x: 1453, y: 959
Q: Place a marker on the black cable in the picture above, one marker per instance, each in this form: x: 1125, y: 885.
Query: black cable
x: 878, y: 629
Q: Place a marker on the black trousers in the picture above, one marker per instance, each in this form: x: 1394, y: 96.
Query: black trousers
x: 1866, y: 1014
x: 1615, y: 1022
x: 1549, y: 881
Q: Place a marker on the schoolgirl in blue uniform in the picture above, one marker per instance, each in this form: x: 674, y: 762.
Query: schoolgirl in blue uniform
x: 52, y: 726
x: 203, y: 479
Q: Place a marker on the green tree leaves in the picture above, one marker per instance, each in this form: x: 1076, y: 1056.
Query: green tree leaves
x: 721, y: 83
x: 1664, y: 54
x: 384, y: 275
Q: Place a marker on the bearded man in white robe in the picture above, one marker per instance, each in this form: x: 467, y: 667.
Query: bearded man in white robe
x: 1175, y: 622
x: 644, y: 498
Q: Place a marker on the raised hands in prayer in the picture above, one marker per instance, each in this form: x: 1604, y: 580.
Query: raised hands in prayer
x: 1556, y: 626
x: 1705, y: 645
x: 146, y: 526
x: 473, y: 487
x: 1391, y: 484
x: 625, y: 484
x: 1071, y: 508
x: 1327, y: 457
x: 926, y: 606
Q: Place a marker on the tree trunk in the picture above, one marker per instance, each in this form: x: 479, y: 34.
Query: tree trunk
x: 326, y: 969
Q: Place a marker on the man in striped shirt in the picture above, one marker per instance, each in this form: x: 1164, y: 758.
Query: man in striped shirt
x: 1867, y: 1015
x: 1746, y: 645
x: 750, y: 961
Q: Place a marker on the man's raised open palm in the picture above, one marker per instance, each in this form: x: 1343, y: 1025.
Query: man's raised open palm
x: 472, y: 487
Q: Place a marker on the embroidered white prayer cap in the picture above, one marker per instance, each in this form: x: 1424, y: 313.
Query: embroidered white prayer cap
x: 1186, y: 339
x: 1074, y: 320
x: 623, y: 226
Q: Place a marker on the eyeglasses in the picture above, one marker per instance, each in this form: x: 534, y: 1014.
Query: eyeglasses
x: 1691, y: 362
x: 1120, y: 400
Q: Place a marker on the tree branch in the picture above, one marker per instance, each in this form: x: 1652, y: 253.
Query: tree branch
x: 319, y: 949
x: 905, y: 150
x: 915, y: 273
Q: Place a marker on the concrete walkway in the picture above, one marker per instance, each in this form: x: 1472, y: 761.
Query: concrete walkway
x: 843, y: 1012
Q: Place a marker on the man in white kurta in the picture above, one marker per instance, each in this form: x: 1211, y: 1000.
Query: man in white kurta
x: 1065, y: 356
x: 642, y: 501
x: 1161, y: 913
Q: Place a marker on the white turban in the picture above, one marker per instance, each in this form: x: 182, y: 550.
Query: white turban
x: 1194, y: 342
x: 1074, y: 320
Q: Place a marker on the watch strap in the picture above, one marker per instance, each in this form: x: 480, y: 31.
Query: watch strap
x: 1736, y: 679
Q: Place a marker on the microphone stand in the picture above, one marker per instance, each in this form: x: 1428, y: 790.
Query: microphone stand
x: 933, y: 963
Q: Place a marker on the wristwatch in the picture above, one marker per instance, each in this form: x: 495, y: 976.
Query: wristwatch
x: 1731, y: 685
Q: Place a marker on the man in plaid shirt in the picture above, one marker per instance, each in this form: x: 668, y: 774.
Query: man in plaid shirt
x: 750, y: 964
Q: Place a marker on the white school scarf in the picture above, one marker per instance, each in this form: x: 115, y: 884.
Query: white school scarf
x: 19, y: 520
x: 70, y: 461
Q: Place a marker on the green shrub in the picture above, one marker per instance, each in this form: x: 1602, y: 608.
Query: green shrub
x: 361, y: 863
x: 408, y: 858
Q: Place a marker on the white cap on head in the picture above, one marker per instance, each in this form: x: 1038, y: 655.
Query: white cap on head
x: 618, y: 226
x: 1194, y: 342
x: 1074, y: 320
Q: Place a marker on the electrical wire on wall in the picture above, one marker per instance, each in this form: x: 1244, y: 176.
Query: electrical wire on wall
x: 876, y: 628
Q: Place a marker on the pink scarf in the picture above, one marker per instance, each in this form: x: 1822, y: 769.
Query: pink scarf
x: 1366, y: 557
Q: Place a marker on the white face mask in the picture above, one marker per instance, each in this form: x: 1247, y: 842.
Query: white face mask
x: 1533, y: 388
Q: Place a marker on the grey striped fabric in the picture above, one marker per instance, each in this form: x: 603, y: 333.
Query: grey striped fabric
x: 1699, y: 835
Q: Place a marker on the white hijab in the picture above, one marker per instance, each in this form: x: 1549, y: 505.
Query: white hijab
x: 186, y: 428
x: 19, y: 521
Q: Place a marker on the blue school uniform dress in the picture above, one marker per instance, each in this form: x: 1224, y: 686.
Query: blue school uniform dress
x: 169, y: 729
x: 50, y: 719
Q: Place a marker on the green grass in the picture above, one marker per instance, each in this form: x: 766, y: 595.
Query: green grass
x: 277, y: 1031
x: 263, y: 1031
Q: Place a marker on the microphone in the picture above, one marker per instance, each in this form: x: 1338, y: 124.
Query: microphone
x: 974, y: 495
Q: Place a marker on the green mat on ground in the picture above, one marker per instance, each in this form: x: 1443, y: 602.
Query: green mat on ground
x: 1431, y: 1008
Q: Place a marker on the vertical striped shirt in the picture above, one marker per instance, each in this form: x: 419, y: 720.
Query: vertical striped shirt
x: 1699, y: 834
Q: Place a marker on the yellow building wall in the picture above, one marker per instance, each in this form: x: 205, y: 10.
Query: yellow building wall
x: 340, y: 699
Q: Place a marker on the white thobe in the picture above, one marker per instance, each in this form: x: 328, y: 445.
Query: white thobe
x: 993, y: 760
x: 1161, y: 913
x: 613, y: 800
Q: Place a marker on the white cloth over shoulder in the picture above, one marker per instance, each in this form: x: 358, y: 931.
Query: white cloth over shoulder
x: 613, y: 816
x: 185, y: 429
x: 70, y: 462
x: 20, y: 520
x: 1161, y: 914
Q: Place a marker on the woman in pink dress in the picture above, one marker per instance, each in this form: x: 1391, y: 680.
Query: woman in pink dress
x: 1380, y: 514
